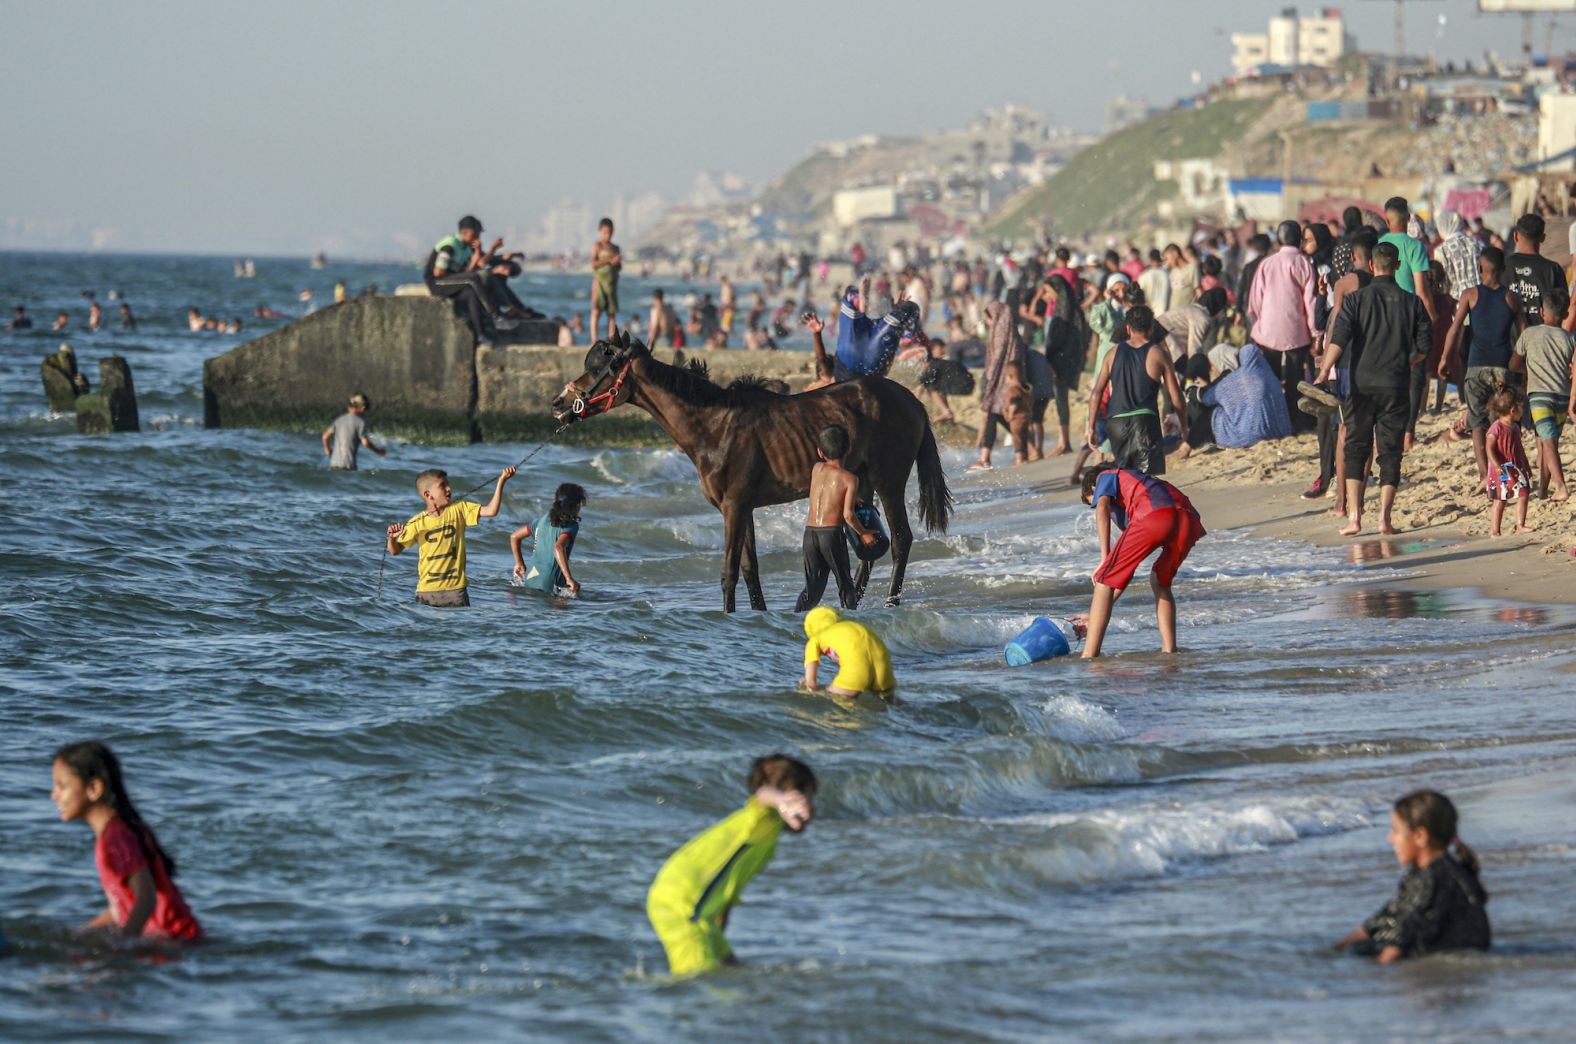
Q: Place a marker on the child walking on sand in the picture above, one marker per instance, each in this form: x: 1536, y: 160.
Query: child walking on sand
x: 1550, y: 358
x: 1440, y: 904
x: 555, y: 541
x: 832, y: 491
x: 1507, y: 460
x: 135, y: 871
x: 440, y: 567
x: 343, y: 439
x: 1152, y: 513
x: 692, y: 894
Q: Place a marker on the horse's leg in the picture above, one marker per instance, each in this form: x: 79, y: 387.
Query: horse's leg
x: 752, y: 573
x: 902, y: 536
x: 732, y: 545
x: 865, y: 495
x: 861, y: 579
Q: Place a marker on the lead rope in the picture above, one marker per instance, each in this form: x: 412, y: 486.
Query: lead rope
x: 383, y: 560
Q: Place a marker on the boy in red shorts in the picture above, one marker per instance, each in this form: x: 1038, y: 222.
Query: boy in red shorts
x: 1152, y: 514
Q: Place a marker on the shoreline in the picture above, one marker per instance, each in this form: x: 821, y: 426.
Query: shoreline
x: 1443, y: 541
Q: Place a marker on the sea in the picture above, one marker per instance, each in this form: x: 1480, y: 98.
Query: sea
x: 397, y: 822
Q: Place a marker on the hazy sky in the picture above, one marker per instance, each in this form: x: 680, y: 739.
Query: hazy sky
x: 367, y: 127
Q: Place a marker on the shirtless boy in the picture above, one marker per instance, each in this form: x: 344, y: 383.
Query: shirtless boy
x: 832, y: 490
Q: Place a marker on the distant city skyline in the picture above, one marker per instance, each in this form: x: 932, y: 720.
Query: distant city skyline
x: 366, y: 128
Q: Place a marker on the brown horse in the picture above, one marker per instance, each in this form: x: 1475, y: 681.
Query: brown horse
x: 753, y: 447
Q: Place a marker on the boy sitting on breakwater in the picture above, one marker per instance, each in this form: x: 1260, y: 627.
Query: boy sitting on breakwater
x: 440, y: 569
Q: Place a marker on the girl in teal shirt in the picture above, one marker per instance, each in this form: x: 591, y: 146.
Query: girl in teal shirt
x: 555, y: 539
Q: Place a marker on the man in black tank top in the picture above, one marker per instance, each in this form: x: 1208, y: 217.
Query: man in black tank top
x: 1385, y: 331
x: 1135, y: 370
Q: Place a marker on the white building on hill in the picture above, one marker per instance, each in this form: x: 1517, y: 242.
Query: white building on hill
x: 1293, y: 40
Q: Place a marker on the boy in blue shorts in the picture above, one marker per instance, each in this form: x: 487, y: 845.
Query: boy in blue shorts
x: 1548, y: 354
x: 440, y: 569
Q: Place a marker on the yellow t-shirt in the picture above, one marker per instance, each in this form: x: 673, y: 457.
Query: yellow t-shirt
x: 441, y: 566
x: 863, y: 663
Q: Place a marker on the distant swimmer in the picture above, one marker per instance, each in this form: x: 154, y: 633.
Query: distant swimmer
x: 1440, y: 904
x: 727, y: 299
x: 863, y: 663
x: 61, y: 321
x: 1152, y: 514
x: 343, y: 439
x: 265, y: 312
x: 20, y: 321
x: 833, y: 489
x: 195, y: 321
x: 137, y: 874
x: 95, y: 316
x: 699, y: 885
x: 441, y: 529
x: 606, y: 262
x: 127, y: 321
x: 555, y: 534
x: 664, y: 322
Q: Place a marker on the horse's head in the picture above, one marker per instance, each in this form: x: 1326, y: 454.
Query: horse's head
x: 605, y: 383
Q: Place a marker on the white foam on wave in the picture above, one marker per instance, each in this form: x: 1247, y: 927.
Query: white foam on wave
x: 1151, y: 840
x: 623, y: 467
x: 1077, y: 721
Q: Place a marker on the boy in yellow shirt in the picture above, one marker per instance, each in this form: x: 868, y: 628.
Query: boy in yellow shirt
x: 440, y: 568
x: 690, y: 898
x: 863, y: 663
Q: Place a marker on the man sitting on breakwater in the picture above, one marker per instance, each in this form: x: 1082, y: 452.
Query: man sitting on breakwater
x: 458, y: 269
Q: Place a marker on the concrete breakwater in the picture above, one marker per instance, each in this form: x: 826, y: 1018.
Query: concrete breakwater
x: 429, y: 381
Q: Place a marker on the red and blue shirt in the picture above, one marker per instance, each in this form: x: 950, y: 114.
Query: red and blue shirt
x: 1134, y: 495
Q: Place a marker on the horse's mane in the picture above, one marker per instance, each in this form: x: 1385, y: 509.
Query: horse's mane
x: 692, y: 383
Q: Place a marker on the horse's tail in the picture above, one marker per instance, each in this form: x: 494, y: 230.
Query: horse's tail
x: 935, y: 499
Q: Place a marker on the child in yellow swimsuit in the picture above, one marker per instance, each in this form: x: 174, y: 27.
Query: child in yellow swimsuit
x: 690, y: 898
x: 863, y: 663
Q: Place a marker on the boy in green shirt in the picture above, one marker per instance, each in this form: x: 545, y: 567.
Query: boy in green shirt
x: 690, y: 898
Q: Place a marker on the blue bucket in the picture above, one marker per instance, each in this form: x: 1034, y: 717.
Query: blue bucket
x: 1042, y: 640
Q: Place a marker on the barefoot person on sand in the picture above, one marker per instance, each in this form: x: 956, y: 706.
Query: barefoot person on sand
x: 1385, y: 332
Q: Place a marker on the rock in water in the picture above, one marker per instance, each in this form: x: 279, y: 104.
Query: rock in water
x: 114, y: 408
x: 62, y: 382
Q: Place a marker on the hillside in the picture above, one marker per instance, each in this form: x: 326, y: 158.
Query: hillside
x: 1115, y: 176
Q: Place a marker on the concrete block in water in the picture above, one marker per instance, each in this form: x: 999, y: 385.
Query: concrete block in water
x: 114, y: 407
x: 411, y: 355
x: 62, y: 381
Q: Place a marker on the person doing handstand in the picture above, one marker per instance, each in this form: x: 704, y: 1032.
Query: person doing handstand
x: 832, y: 491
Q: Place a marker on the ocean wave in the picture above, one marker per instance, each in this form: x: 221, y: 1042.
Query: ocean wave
x: 1153, y: 840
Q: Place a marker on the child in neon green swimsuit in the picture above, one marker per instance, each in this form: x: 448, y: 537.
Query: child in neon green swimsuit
x: 689, y: 901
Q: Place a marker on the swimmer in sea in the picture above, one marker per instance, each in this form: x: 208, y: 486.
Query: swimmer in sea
x: 1440, y: 904
x: 555, y: 534
x: 863, y: 663
x: 690, y: 898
